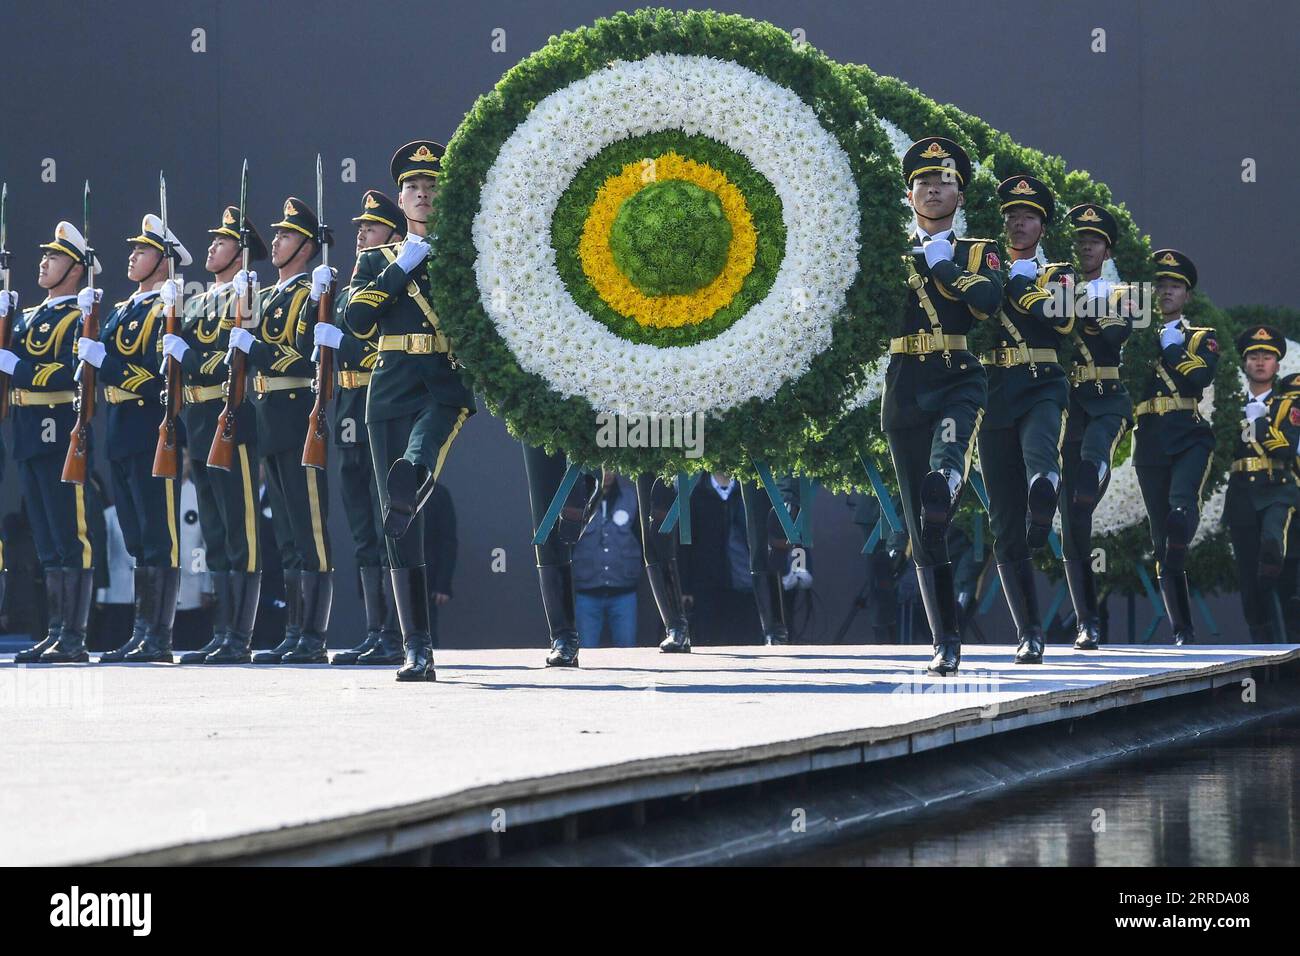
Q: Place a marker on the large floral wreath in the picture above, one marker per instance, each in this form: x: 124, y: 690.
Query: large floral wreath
x: 667, y: 215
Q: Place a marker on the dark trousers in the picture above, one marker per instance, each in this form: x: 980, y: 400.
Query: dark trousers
x: 1175, y: 484
x: 228, y: 512
x: 57, y: 513
x: 148, y: 509
x: 1255, y: 521
x: 724, y: 616
x: 944, y: 442
x: 1100, y: 437
x: 1009, y: 458
x: 300, y: 510
x: 424, y: 438
x: 544, y: 473
x: 361, y: 504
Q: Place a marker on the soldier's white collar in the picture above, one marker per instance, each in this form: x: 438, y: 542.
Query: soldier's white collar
x: 279, y: 286
x: 950, y: 234
x: 56, y: 300
x: 1178, y: 321
x: 138, y: 296
x: 1262, y: 398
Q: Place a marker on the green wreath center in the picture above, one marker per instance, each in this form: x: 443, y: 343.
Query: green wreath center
x: 671, y: 238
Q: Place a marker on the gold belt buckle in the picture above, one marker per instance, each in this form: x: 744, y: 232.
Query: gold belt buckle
x: 419, y: 343
x: 924, y: 342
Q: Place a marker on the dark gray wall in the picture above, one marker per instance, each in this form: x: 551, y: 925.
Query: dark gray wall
x: 113, y: 92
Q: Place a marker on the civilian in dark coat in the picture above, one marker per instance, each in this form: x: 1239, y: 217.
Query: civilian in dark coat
x: 715, y: 566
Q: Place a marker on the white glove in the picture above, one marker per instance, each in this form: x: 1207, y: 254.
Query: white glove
x: 87, y: 299
x: 1100, y: 289
x: 1025, y: 267
x: 242, y: 281
x: 89, y: 350
x: 1171, y: 335
x: 241, y: 339
x: 936, y: 250
x: 412, y: 253
x: 8, y: 303
x: 327, y: 335
x: 321, y: 277
x: 8, y: 361
x: 174, y: 347
x: 1255, y: 409
x: 169, y: 292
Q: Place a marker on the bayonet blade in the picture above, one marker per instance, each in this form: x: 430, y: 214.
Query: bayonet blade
x: 85, y: 235
x: 320, y: 211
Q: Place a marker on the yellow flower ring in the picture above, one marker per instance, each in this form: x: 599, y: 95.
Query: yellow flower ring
x: 666, y: 311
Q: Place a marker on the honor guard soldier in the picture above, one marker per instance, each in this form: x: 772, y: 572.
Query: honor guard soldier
x: 227, y: 500
x: 381, y: 223
x: 129, y: 355
x: 418, y: 401
x: 1020, y: 439
x: 1262, y: 493
x: 282, y: 399
x: 1100, y: 412
x: 1173, y: 444
x: 41, y: 363
x: 935, y: 389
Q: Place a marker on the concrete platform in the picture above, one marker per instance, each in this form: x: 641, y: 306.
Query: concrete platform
x: 165, y: 764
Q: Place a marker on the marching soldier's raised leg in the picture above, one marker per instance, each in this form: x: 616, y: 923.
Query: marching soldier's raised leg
x: 128, y: 355
x: 380, y: 222
x: 41, y: 363
x: 1173, y: 444
x: 1099, y: 413
x: 282, y: 400
x: 417, y: 402
x: 228, y: 512
x: 935, y: 389
x: 1020, y: 439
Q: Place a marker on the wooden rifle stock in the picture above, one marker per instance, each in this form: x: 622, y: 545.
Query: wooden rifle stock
x: 318, y: 429
x: 77, y: 462
x: 222, y: 453
x: 166, y: 459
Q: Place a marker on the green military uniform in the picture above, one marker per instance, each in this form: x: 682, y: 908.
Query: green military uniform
x: 148, y: 507
x: 1263, y: 494
x: 936, y: 391
x: 355, y: 363
x: 282, y: 401
x: 41, y: 396
x: 416, y: 407
x: 227, y: 500
x: 1100, y: 412
x: 1020, y: 440
x: 1173, y: 446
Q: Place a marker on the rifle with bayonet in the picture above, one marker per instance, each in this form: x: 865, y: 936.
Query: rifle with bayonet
x: 166, y: 456
x: 318, y: 429
x: 77, y: 462
x: 222, y: 453
x: 7, y: 323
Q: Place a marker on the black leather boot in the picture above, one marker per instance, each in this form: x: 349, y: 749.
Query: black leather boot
x: 1022, y: 600
x: 157, y: 646
x: 937, y: 500
x: 70, y: 648
x: 769, y: 595
x: 388, y: 649
x: 53, y: 615
x: 940, y: 600
x: 1178, y: 535
x: 666, y: 586
x: 1041, y: 510
x: 1178, y: 605
x: 556, y: 583
x: 245, y: 591
x: 292, y: 621
x: 409, y: 487
x: 411, y: 595
x: 317, y: 598
x: 372, y: 596
x: 142, y: 599
x: 1083, y: 595
x: 220, y: 619
x: 1087, y: 489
